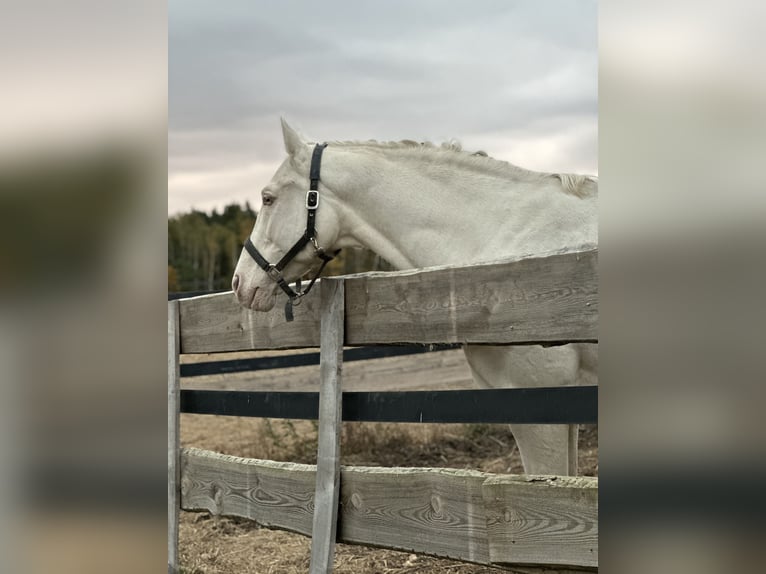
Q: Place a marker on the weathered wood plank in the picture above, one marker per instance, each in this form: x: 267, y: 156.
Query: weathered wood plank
x: 214, y: 323
x: 547, y: 299
x: 542, y: 520
x: 325, y: 522
x: 432, y: 511
x: 174, y: 417
x: 274, y: 494
x: 535, y: 300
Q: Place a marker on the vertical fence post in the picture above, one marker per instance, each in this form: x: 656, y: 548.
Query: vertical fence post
x: 574, y: 435
x: 328, y: 455
x: 174, y: 501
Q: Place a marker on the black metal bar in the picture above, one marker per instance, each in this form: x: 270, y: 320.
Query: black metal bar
x: 545, y: 405
x: 278, y: 405
x: 303, y: 359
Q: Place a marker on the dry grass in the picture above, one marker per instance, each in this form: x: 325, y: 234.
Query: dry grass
x: 215, y: 545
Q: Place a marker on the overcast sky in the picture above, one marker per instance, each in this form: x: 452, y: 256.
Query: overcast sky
x: 517, y: 79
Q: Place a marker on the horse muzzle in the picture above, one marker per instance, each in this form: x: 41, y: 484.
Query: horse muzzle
x: 257, y: 298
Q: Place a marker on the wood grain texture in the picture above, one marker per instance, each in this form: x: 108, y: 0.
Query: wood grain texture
x: 274, y: 494
x: 457, y: 514
x: 215, y: 323
x: 542, y: 520
x: 330, y: 409
x: 547, y: 299
x: 433, y: 511
x: 174, y: 418
x: 536, y: 300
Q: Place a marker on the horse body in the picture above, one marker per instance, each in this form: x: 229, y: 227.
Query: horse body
x: 418, y: 206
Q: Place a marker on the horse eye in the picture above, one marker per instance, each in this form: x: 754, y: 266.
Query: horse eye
x: 268, y: 199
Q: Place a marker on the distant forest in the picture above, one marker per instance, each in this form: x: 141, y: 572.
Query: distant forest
x: 203, y: 249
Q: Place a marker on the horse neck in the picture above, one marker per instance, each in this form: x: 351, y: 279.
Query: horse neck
x: 417, y: 209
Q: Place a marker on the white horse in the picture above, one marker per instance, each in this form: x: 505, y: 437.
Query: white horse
x: 419, y: 205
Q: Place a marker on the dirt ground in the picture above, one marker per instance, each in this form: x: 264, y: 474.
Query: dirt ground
x: 213, y: 545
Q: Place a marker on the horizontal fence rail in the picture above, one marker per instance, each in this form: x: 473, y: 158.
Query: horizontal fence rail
x: 302, y: 360
x: 173, y: 295
x: 459, y: 514
x: 547, y: 405
x: 547, y: 300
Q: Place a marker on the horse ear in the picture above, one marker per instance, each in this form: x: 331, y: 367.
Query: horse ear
x: 293, y: 142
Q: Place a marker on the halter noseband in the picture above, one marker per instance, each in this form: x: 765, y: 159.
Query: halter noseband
x: 274, y: 270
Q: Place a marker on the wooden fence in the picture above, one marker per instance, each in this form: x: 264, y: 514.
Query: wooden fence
x: 524, y: 523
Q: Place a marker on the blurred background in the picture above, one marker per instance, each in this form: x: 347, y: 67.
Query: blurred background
x: 682, y: 237
x: 83, y: 257
x: 82, y: 289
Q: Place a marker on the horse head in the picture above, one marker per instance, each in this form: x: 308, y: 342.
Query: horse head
x: 280, y: 250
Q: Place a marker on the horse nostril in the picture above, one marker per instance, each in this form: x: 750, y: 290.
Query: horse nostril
x: 235, y: 282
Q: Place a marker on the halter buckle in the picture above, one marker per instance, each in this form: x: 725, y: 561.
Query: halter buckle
x: 312, y: 199
x: 274, y: 273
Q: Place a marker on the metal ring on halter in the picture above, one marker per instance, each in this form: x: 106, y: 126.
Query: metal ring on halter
x: 317, y: 249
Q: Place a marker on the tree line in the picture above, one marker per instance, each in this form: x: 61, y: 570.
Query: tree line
x: 203, y: 249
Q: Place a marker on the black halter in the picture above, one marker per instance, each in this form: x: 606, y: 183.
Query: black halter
x: 274, y: 270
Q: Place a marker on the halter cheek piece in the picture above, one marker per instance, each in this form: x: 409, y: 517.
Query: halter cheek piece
x: 274, y: 270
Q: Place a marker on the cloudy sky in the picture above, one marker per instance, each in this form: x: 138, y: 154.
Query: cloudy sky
x: 517, y: 79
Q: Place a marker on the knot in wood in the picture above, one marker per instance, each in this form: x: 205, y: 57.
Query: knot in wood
x: 436, y: 504
x: 218, y: 498
x: 356, y: 501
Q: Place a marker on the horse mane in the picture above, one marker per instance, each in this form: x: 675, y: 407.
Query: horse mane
x: 453, y: 151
